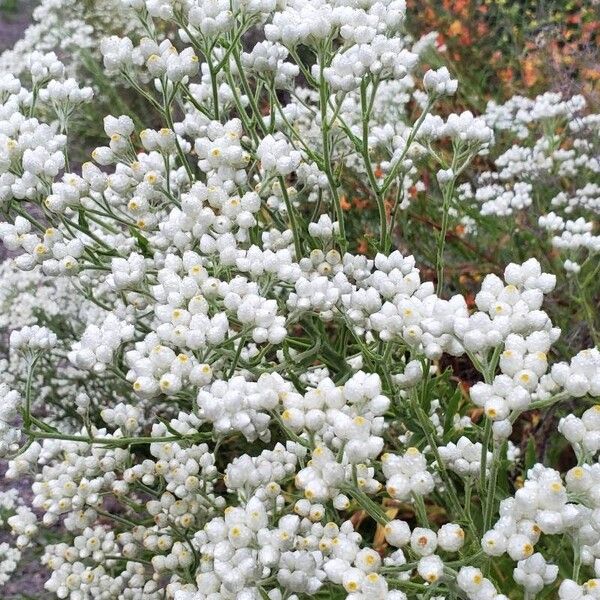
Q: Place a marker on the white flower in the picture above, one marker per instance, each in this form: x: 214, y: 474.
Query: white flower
x: 277, y: 154
x: 439, y: 82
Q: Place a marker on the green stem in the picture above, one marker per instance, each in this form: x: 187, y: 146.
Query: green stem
x: 292, y: 217
x: 487, y: 437
x: 366, y: 115
x: 467, y: 500
x: 236, y: 358
x: 327, y: 164
x: 439, y: 261
x: 118, y: 442
x: 491, y: 489
x: 421, y: 510
x: 576, y: 560
x: 425, y: 423
x: 169, y: 119
x: 28, y: 388
x: 387, y: 182
x: 374, y: 510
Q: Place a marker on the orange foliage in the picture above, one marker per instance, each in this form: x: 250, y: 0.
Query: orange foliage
x: 455, y: 29
x: 363, y: 246
x: 530, y: 71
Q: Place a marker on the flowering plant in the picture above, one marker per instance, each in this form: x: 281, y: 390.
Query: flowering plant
x: 213, y: 394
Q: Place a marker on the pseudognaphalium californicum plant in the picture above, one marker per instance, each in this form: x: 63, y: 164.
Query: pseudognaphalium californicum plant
x: 213, y: 397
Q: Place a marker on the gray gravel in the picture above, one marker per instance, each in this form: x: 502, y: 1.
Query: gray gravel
x: 28, y: 580
x: 14, y: 22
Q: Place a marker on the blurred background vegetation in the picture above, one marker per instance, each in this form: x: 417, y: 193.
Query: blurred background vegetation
x: 503, y: 47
